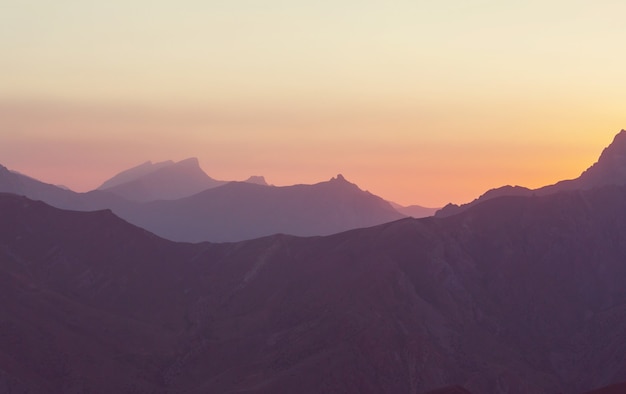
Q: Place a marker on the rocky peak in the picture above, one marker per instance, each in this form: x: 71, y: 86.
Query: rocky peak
x: 339, y: 178
x: 610, y: 167
x: 257, y: 179
x: 617, y: 147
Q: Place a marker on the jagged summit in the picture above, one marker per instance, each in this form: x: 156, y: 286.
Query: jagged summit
x: 339, y: 178
x: 610, y: 167
x: 339, y: 181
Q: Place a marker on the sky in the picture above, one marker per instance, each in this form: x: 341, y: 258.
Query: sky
x: 420, y: 102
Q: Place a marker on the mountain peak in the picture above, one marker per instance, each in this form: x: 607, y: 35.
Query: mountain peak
x: 339, y: 178
x: 161, y: 181
x: 610, y: 167
x: 134, y: 172
x: 190, y: 162
x: 619, y: 142
x: 257, y: 179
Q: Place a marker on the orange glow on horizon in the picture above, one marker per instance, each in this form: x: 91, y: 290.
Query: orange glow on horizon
x: 419, y: 102
x: 81, y: 147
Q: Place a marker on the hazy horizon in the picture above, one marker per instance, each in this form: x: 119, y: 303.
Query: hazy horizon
x: 420, y: 103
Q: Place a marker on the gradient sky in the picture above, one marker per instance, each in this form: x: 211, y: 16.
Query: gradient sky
x: 422, y: 102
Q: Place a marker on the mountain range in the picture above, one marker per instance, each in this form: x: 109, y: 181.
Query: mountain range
x: 163, y: 198
x: 515, y: 295
x: 241, y: 210
x: 610, y: 169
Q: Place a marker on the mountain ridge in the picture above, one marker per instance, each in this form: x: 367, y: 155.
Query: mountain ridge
x: 518, y: 294
x: 608, y: 170
x: 243, y: 210
x: 227, y: 212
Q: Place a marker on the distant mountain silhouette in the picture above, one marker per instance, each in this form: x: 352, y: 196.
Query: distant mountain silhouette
x: 16, y: 183
x: 523, y: 295
x: 231, y: 212
x: 241, y: 210
x: 259, y: 180
x: 134, y: 173
x: 415, y: 211
x: 161, y: 181
x: 23, y: 185
x: 520, y: 191
x: 610, y: 169
x: 167, y: 180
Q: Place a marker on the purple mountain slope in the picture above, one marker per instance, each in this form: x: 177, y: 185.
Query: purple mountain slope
x: 134, y: 173
x: 610, y: 169
x: 16, y: 183
x: 240, y: 210
x: 522, y: 295
x: 232, y: 212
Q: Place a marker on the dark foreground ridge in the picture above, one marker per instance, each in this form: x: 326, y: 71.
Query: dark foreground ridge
x: 516, y: 295
x: 449, y: 390
x: 619, y: 388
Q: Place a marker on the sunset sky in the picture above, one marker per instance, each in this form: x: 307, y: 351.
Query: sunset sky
x: 420, y: 102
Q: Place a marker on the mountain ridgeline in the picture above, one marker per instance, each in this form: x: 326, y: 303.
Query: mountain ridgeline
x: 228, y: 211
x: 516, y: 295
x: 241, y: 210
x: 610, y: 169
x: 161, y: 181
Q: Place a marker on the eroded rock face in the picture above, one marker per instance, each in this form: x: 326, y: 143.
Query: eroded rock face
x: 518, y: 295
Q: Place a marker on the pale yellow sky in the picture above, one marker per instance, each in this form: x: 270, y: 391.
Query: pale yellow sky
x: 419, y: 102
